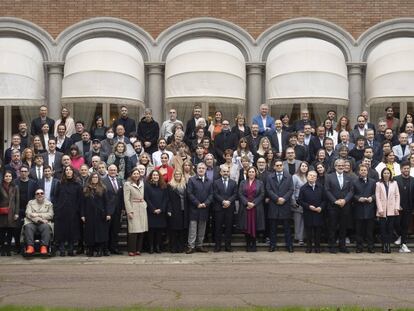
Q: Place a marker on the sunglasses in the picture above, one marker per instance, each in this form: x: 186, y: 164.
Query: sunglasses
x: 39, y: 193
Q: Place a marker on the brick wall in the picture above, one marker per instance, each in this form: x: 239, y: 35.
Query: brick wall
x: 253, y: 15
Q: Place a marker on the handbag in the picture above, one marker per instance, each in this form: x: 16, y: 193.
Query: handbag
x: 4, y: 210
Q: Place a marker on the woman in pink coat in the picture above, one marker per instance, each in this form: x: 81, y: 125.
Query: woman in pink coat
x: 388, y: 205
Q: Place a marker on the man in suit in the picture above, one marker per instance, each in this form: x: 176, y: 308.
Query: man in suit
x: 15, y: 164
x: 359, y: 129
x: 225, y: 140
x: 316, y: 142
x: 225, y: 195
x: 406, y: 187
x: 134, y: 159
x: 128, y: 123
x: 364, y: 208
x: 96, y: 150
x: 36, y: 172
x: 371, y: 141
x: 114, y: 192
x: 53, y: 158
x: 191, y: 124
x: 409, y: 129
x: 279, y: 188
x: 402, y: 150
x: 63, y: 143
x: 85, y: 143
x: 49, y: 184
x: 328, y: 145
x: 25, y: 137
x: 264, y: 120
x: 392, y: 122
x: 339, y: 193
x: 300, y: 124
x: 37, y: 123
x: 344, y: 141
x: 16, y: 145
x: 253, y: 139
x: 300, y: 151
x: 80, y: 128
x: 279, y: 139
x: 200, y: 197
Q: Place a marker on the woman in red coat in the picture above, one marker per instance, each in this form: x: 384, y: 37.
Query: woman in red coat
x: 165, y: 170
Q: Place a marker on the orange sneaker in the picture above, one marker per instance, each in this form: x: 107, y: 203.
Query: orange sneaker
x: 30, y: 250
x: 43, y: 250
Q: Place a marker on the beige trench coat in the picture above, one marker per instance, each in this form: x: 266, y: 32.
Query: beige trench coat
x: 134, y: 202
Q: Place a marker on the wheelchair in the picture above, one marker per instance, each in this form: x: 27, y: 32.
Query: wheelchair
x: 37, y: 245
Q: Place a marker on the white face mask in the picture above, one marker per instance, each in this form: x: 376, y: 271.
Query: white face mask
x: 109, y: 135
x: 133, y: 140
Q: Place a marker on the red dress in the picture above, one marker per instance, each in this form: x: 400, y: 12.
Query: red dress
x: 170, y: 171
x: 250, y: 191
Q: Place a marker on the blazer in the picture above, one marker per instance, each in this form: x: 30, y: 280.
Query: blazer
x: 258, y: 202
x: 364, y: 210
x: 33, y: 172
x: 57, y: 165
x: 300, y: 124
x: 334, y: 192
x: 199, y: 192
x: 65, y: 148
x: 307, y: 197
x: 190, y: 128
x: 399, y: 153
x: 389, y: 204
x: 221, y: 194
x: 32, y: 186
x: 276, y: 190
x: 395, y: 123
x: 399, y: 180
x: 54, y: 189
x: 275, y: 141
x: 115, y: 199
x: 286, y: 167
x: 270, y: 124
x: 314, y: 146
x: 36, y: 125
x: 80, y: 146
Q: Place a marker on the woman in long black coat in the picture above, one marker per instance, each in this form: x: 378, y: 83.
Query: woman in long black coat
x: 177, y: 212
x: 156, y: 196
x: 251, y: 210
x: 67, y: 211
x: 95, y: 215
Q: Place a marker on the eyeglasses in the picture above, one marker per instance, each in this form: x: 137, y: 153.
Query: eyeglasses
x: 24, y: 171
x: 39, y: 193
x: 278, y: 165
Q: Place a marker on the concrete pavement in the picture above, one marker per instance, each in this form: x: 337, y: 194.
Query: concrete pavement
x: 238, y: 279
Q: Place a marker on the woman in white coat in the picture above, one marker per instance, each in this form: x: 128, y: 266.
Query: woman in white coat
x: 136, y: 209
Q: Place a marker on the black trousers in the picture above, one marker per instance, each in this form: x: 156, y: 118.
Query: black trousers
x: 224, y: 217
x: 178, y: 240
x: 313, y: 236
x: 135, y: 241
x: 337, y: 221
x: 114, y: 228
x: 6, y: 235
x: 387, y: 228
x: 286, y: 228
x: 402, y: 224
x: 155, y: 238
x: 364, y: 228
x: 17, y: 232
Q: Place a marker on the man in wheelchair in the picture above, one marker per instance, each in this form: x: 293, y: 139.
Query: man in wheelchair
x: 39, y: 216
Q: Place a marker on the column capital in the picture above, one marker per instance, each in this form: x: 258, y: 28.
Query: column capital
x: 155, y: 68
x: 54, y: 67
x: 356, y: 68
x: 255, y: 68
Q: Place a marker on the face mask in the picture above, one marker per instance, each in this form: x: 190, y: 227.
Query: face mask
x: 109, y: 135
x: 132, y: 140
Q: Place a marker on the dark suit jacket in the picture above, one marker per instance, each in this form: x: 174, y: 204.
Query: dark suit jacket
x: 32, y: 186
x: 33, y: 172
x: 364, y: 210
x: 115, y: 199
x: 190, y: 128
x: 199, y: 192
x: 399, y: 180
x: 36, y: 125
x: 307, y: 197
x: 57, y: 165
x: 369, y: 124
x: 220, y: 194
x: 7, y: 155
x: 314, y: 146
x: 224, y: 141
x: 65, y: 148
x: 300, y: 124
x: 53, y: 191
x: 334, y: 192
x: 276, y: 190
x: 42, y: 139
x: 275, y: 141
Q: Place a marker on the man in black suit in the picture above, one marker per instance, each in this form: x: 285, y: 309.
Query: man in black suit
x: 16, y: 145
x: 225, y: 195
x: 253, y: 139
x: 63, y: 143
x: 406, y: 188
x: 191, y: 124
x: 339, y: 193
x: 36, y: 172
x: 364, y: 208
x: 300, y: 124
x: 37, y: 123
x: 128, y: 123
x: 53, y: 158
x: 200, y: 197
x: 225, y: 140
x: 279, y: 188
x: 25, y: 137
x: 316, y: 142
x: 49, y: 184
x: 279, y: 139
x: 27, y: 188
x: 114, y: 192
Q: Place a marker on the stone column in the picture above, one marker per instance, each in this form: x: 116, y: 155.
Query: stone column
x: 55, y: 76
x: 254, y: 72
x: 355, y: 91
x: 156, y: 90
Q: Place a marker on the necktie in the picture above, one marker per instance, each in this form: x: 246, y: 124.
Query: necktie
x: 341, y: 182
x: 114, y: 184
x: 225, y: 184
x: 279, y: 177
x: 39, y: 174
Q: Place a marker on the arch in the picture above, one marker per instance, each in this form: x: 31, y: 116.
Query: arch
x: 204, y: 27
x: 305, y: 27
x: 20, y: 28
x: 399, y: 27
x: 104, y: 27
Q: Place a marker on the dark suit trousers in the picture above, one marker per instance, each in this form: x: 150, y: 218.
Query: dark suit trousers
x: 114, y: 228
x: 337, y: 220
x: 224, y: 217
x: 387, y: 228
x: 313, y: 235
x: 402, y: 224
x: 365, y: 228
x: 286, y: 229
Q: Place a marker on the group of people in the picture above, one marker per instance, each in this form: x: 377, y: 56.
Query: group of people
x: 68, y: 186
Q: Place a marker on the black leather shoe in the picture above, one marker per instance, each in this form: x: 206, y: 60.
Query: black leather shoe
x: 371, y: 251
x: 344, y: 250
x: 333, y: 250
x: 201, y: 250
x: 317, y: 250
x: 272, y: 249
x: 359, y: 250
x: 116, y: 252
x: 308, y: 250
x: 190, y: 250
x: 106, y: 253
x: 71, y: 253
x: 228, y: 249
x: 290, y: 249
x: 217, y: 249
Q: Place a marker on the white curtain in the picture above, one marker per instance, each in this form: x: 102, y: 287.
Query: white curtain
x: 28, y: 114
x: 85, y: 112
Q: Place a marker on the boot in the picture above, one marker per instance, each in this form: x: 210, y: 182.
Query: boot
x: 247, y: 243
x: 384, y: 248
x: 253, y: 244
x: 388, y: 248
x: 7, y: 249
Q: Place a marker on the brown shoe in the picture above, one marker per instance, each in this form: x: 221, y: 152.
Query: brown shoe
x: 30, y: 250
x: 43, y: 250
